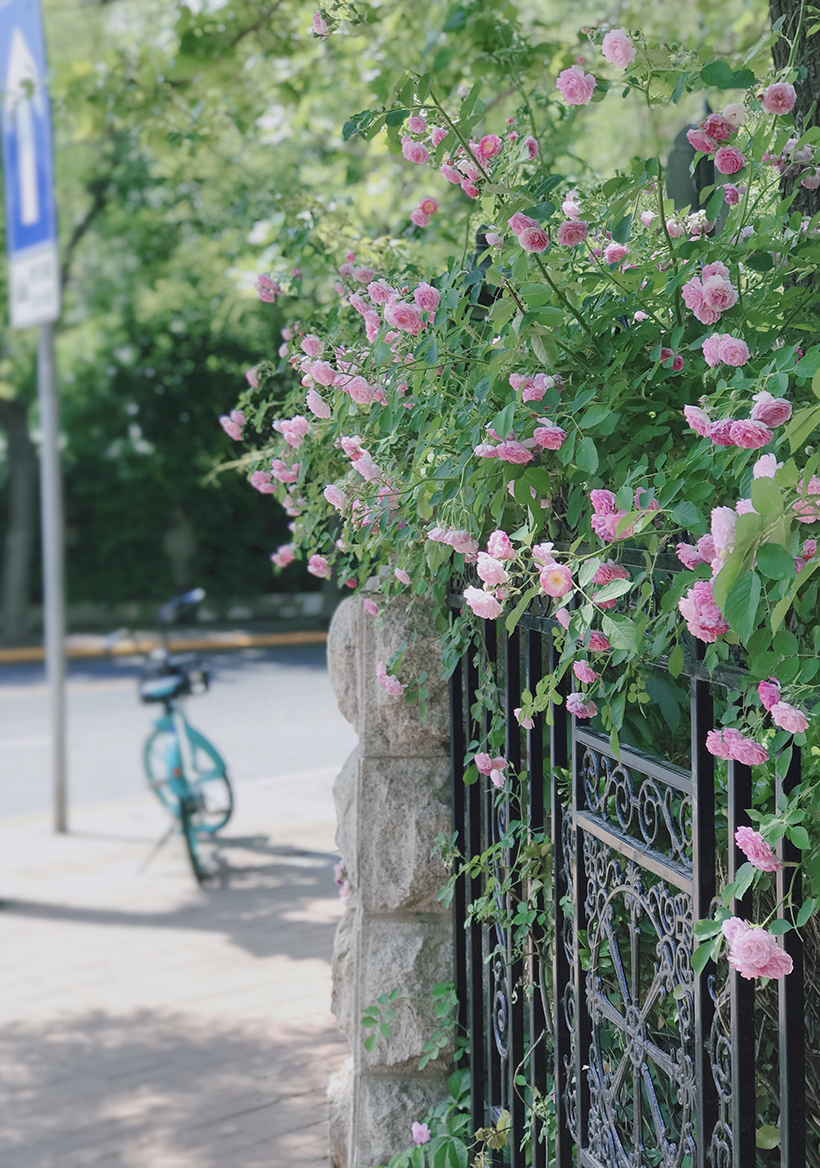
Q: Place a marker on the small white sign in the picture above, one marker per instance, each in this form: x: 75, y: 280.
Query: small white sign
x: 34, y: 286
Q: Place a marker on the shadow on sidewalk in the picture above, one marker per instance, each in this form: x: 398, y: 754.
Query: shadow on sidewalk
x: 150, y: 1089
x: 263, y: 898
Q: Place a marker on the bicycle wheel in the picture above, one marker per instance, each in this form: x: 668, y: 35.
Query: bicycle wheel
x: 161, y: 760
x: 210, y: 784
x: 190, y: 834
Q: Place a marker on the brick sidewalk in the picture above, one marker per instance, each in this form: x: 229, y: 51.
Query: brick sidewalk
x: 145, y: 1023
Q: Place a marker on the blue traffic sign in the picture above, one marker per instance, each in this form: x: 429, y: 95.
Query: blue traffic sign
x: 28, y: 176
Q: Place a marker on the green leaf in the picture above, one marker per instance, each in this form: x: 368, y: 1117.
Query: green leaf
x: 767, y: 498
x: 778, y: 928
x: 676, y: 661
x: 799, y: 837
x: 727, y: 576
x: 809, y: 363
x: 686, y: 514
x: 806, y: 910
x: 701, y: 956
x: 803, y: 423
x: 783, y: 606
x: 680, y: 85
x: 775, y: 562
x: 717, y: 74
x: 767, y: 1136
x: 586, y: 455
x: 740, y: 609
x: 612, y: 590
x: 621, y: 632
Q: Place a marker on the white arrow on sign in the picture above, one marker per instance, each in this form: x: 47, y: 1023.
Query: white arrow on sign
x: 24, y: 90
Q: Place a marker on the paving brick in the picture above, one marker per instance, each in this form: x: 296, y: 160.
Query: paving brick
x: 145, y: 1023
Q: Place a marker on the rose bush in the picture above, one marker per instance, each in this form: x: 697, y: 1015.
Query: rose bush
x: 609, y: 410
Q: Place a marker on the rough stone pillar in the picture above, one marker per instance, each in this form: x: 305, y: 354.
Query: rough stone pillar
x: 392, y: 800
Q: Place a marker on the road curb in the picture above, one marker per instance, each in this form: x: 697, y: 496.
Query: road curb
x: 204, y: 643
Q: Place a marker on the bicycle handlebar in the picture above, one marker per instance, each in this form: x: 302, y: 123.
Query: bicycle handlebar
x: 169, y: 611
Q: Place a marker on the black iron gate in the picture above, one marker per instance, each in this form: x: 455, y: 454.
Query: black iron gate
x: 621, y: 1056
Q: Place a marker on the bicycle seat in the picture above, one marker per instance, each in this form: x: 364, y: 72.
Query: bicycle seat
x: 163, y: 688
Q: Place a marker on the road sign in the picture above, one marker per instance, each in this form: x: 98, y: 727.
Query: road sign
x: 31, y: 221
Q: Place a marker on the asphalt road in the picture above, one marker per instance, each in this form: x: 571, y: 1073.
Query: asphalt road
x: 270, y: 712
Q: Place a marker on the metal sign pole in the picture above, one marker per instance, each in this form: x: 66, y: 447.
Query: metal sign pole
x: 34, y: 300
x: 53, y: 574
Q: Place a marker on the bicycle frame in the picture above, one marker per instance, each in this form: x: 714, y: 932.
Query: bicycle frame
x: 182, y: 745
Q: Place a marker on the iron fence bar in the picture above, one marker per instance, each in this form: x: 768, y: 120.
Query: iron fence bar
x: 458, y: 749
x: 741, y: 990
x: 475, y: 932
x: 495, y: 1085
x: 515, y: 966
x: 583, y: 1022
x: 791, y: 1005
x: 703, y: 892
x: 534, y: 669
x: 559, y: 758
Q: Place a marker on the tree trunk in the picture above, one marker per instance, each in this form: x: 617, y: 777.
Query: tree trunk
x: 808, y: 88
x: 21, y: 529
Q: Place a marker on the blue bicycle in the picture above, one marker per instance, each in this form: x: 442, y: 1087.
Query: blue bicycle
x: 184, y: 770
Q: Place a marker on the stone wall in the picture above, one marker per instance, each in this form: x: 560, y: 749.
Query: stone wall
x: 392, y: 800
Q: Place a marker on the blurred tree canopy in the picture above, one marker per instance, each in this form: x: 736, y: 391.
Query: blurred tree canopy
x: 197, y: 145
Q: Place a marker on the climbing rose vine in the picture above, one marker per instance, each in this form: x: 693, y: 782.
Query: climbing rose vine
x: 609, y: 410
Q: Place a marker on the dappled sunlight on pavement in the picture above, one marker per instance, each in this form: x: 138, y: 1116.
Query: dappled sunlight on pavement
x: 147, y: 1023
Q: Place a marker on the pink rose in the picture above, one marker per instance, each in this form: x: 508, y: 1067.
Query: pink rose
x: 426, y: 297
x: 603, y: 502
x: 420, y: 1133
x: 698, y: 419
x: 390, y: 684
x: 231, y: 427
x: 531, y: 146
x: 750, y: 435
x: 674, y: 229
x: 437, y: 135
x: 260, y: 480
x: 482, y: 603
x: 500, y: 547
x: 414, y: 151
x: 747, y: 751
x: 689, y: 556
x: 363, y: 275
x: 769, y: 692
x: 417, y: 124
x: 618, y: 48
x: 700, y: 140
x: 706, y: 548
x: 519, y: 221
x: 733, y: 351
x: 370, y: 607
x: 311, y: 345
x: 731, y: 194
x: 756, y: 850
x: 469, y: 188
x: 771, y: 411
x: 719, y: 127
x: 335, y: 497
x: 721, y: 432
x: 317, y: 405
x: 765, y: 467
x: 418, y: 218
x: 555, y: 579
x: 811, y: 181
x: 599, y: 642
x: 322, y: 372
x: 576, y: 86
x: 320, y: 28
x: 580, y: 708
x: 283, y: 555
x: 723, y: 529
x: 703, y: 617
x: 729, y: 160
x: 428, y: 205
x: 711, y: 349
x: 788, y: 718
x: 572, y: 232
x: 716, y: 745
x: 450, y: 173
x: 533, y: 239
x: 754, y: 952
x: 524, y: 723
x: 718, y: 293
x: 491, y: 570
x: 402, y: 576
x: 318, y: 566
x: 550, y: 437
x: 403, y: 316
x: 514, y: 452
x: 779, y: 98
x: 615, y: 252
x: 809, y: 549
x: 489, y: 146
x: 493, y: 239
x: 584, y: 672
